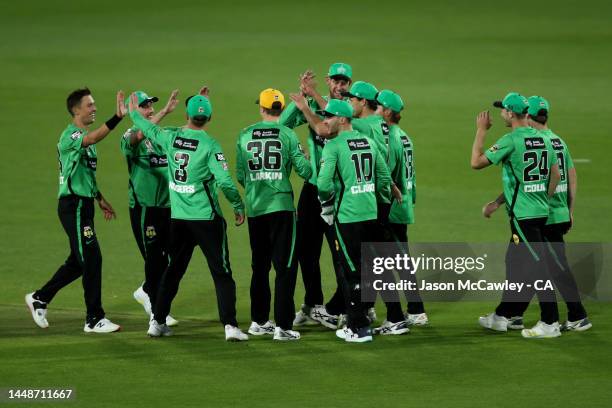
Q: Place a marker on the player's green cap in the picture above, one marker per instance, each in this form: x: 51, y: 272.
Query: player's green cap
x: 340, y: 70
x: 199, y: 106
x: 337, y: 107
x: 538, y: 106
x: 390, y: 100
x: 362, y: 90
x: 143, y: 98
x: 514, y: 102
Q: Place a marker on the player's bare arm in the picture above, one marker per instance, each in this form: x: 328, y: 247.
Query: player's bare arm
x: 483, y: 124
x: 313, y: 120
x: 308, y: 86
x: 106, y: 207
x: 101, y: 132
x: 492, y: 206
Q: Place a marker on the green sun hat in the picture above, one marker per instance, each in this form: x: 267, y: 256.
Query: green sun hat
x: 362, y: 90
x: 514, y: 102
x: 199, y: 106
x: 390, y: 100
x: 143, y: 98
x: 340, y: 69
x: 337, y: 107
x: 537, y: 104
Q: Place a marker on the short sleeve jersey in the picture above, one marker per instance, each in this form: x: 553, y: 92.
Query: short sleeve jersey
x: 266, y: 152
x: 77, y: 164
x: 148, y: 171
x: 526, y: 157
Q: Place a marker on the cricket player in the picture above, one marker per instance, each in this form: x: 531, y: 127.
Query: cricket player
x: 77, y: 190
x: 401, y: 167
x: 352, y: 174
x: 530, y: 177
x: 367, y: 120
x: 310, y: 226
x: 559, y: 222
x: 149, y: 199
x: 265, y: 154
x: 196, y: 166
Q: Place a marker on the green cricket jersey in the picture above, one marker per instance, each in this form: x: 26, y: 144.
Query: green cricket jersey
x: 374, y: 127
x: 292, y: 117
x: 527, y: 157
x: 403, y: 175
x: 148, y: 170
x: 77, y: 164
x: 196, y: 167
x: 265, y: 154
x: 353, y: 173
x: 559, y: 202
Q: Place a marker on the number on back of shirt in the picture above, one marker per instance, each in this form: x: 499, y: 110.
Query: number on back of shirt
x: 266, y: 154
x: 363, y: 166
x: 182, y: 159
x: 536, y: 168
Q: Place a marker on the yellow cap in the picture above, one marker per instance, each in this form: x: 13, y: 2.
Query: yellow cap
x: 267, y: 97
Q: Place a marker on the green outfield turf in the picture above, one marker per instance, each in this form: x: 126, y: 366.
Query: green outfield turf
x: 448, y: 60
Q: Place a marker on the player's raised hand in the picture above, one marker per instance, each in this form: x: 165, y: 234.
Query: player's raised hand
x: 483, y: 120
x: 300, y: 101
x: 172, y: 102
x: 489, y: 209
x: 121, y: 110
x: 133, y: 102
x: 204, y: 91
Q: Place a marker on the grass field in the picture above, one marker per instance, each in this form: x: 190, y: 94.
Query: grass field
x: 449, y: 60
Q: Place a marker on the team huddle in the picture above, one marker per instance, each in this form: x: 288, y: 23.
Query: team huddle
x: 359, y: 186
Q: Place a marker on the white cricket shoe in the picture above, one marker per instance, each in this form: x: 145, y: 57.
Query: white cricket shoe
x: 390, y: 328
x: 38, y: 310
x: 302, y: 317
x: 285, y: 335
x: 158, y: 330
x: 143, y: 298
x: 578, y: 325
x: 419, y: 319
x: 233, y: 333
x: 319, y: 314
x: 362, y: 335
x: 542, y: 331
x: 516, y: 323
x: 260, y: 329
x: 494, y: 322
x: 103, y: 326
x: 171, y: 321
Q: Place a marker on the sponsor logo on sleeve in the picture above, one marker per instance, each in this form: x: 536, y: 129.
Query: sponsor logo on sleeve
x: 556, y: 144
x: 494, y: 148
x: 76, y: 134
x: 219, y: 156
x: 385, y: 128
x: 158, y: 160
x: 405, y: 141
